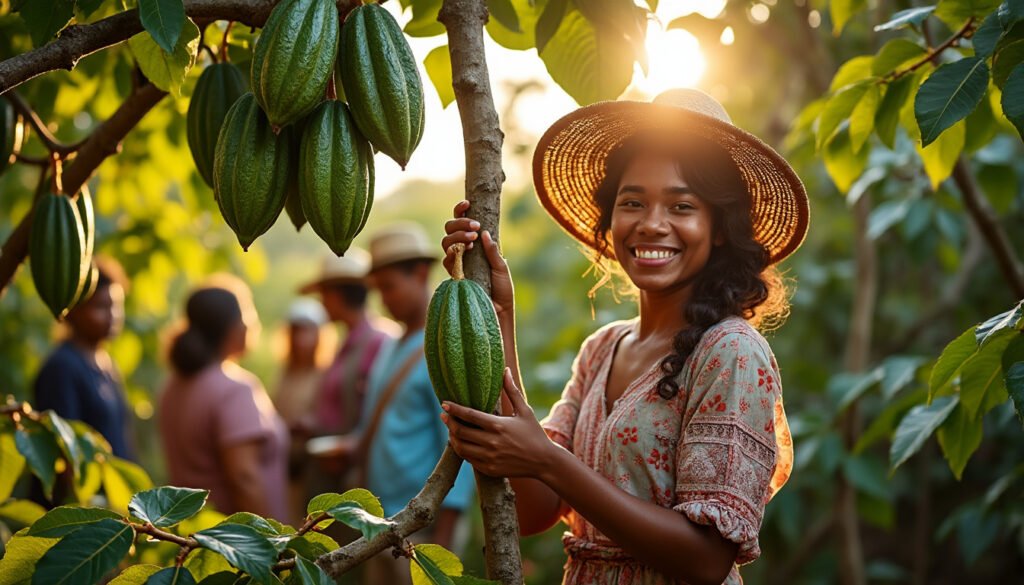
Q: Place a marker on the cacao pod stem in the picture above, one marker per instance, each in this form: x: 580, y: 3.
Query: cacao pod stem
x: 457, y: 271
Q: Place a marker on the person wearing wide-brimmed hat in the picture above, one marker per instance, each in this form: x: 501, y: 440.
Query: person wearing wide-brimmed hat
x: 671, y: 436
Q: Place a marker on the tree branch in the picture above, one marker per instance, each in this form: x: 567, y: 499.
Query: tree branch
x: 104, y: 141
x: 48, y: 140
x: 418, y: 514
x: 932, y: 55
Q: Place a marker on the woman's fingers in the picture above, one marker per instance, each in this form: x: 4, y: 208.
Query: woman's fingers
x: 515, y: 395
x: 471, y: 416
x: 494, y: 257
x: 460, y: 208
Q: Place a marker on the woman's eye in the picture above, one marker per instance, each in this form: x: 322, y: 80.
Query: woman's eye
x: 629, y: 203
x: 683, y: 206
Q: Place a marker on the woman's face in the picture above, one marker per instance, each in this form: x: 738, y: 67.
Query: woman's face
x: 661, y: 231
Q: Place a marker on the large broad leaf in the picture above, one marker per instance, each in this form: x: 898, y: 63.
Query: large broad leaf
x: 853, y: 71
x: 86, y: 555
x: 45, y: 18
x: 166, y: 506
x: 87, y: 7
x: 981, y: 129
x: 204, y: 563
x: 20, y: 513
x: 312, y: 545
x: 940, y: 156
x: 956, y: 12
x: 548, y: 22
x: 68, y: 441
x: 311, y: 573
x: 121, y: 480
x: 959, y: 438
x: 917, y: 426
x: 899, y: 373
x: 908, y: 17
x: 883, y: 425
x: 363, y: 497
x: 353, y: 515
x: 987, y: 36
x: 135, y: 575
x: 424, y: 21
x: 163, y: 19
x: 167, y: 70
x: 38, y: 445
x: 433, y: 564
x: 438, y: 64
x: 951, y: 360
x: 261, y: 524
x: 1013, y: 98
x: 1015, y: 387
x: 842, y: 11
x: 895, y: 55
x: 527, y: 12
x: 172, y: 576
x: 243, y: 547
x: 886, y: 215
x: 12, y: 463
x: 588, y: 64
x: 1010, y: 13
x: 862, y: 119
x: 838, y: 108
x: 846, y: 387
x: 1007, y: 59
x: 64, y: 520
x: 504, y: 12
x: 1012, y: 319
x: 21, y: 553
x: 844, y: 165
x: 981, y: 380
x: 225, y: 578
x: 949, y: 94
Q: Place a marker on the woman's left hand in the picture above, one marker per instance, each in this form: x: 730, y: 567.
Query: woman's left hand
x: 500, y: 446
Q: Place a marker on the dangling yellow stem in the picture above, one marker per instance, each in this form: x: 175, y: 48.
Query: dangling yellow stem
x: 457, y: 272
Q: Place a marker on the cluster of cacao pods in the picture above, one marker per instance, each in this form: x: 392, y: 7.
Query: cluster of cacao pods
x: 290, y: 143
x: 462, y: 342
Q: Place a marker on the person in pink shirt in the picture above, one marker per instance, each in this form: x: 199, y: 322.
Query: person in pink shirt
x: 219, y: 429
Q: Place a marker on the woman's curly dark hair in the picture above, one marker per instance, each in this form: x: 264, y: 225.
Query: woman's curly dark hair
x: 737, y: 279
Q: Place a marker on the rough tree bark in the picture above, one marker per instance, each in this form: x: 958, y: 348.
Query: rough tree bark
x: 465, y: 20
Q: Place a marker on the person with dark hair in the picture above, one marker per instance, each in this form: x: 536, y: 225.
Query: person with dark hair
x: 79, y: 380
x: 219, y: 429
x: 670, y: 437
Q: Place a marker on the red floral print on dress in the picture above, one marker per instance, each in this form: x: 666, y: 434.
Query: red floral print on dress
x: 627, y: 435
x: 716, y: 404
x: 765, y: 380
x: 658, y: 460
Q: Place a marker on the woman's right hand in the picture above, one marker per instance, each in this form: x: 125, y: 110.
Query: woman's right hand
x: 464, y: 230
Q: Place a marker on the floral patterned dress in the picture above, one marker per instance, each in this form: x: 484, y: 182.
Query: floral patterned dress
x: 716, y: 453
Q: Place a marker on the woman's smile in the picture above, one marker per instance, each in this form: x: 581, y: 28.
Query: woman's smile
x: 653, y: 256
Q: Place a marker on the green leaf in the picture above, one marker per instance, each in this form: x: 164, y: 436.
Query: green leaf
x: 987, y: 36
x: 981, y: 379
x: 87, y: 7
x: 953, y: 357
x: 867, y: 474
x: 853, y: 71
x: 842, y: 11
x: 843, y: 165
x: 86, y: 555
x: 894, y: 55
x: 527, y: 12
x: 908, y: 17
x: 166, y: 506
x: 261, y: 524
x: 64, y: 520
x: 862, y: 120
x: 353, y: 515
x: 899, y: 372
x: 1013, y: 98
x: 549, y: 21
x: 312, y: 545
x: 433, y: 564
x: 708, y: 31
x: 438, y: 64
x: 121, y: 480
x: 949, y: 95
x: 1010, y: 12
x: 68, y: 441
x: 21, y: 554
x: 38, y: 445
x: 882, y: 425
x: 886, y: 215
x: 956, y: 12
x: 1015, y: 387
x: 166, y: 70
x: 504, y: 12
x: 243, y: 547
x: 1006, y: 60
x: 589, y: 65
x: 887, y: 117
x: 471, y: 580
x: 21, y: 513
x: 424, y: 21
x: 838, y: 108
x: 224, y: 577
x: 1009, y: 320
x: 12, y: 463
x: 847, y: 387
x: 363, y: 497
x: 917, y: 426
x: 164, y: 20
x: 940, y: 156
x: 45, y: 18
x: 172, y: 576
x: 981, y: 129
x: 959, y: 438
x: 135, y: 575
x: 311, y: 573
x: 205, y: 563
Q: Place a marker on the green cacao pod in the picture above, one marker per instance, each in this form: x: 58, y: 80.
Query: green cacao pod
x: 381, y: 81
x: 250, y: 171
x: 92, y: 279
x: 335, y: 176
x: 462, y: 343
x: 218, y: 88
x: 83, y: 203
x: 10, y: 133
x: 293, y: 203
x: 294, y: 58
x: 56, y: 250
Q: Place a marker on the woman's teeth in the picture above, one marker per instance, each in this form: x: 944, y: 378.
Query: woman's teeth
x: 654, y: 254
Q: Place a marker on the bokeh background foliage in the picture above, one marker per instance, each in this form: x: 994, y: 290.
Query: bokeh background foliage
x: 902, y: 117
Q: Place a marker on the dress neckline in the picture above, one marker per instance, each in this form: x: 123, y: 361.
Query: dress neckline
x: 606, y: 374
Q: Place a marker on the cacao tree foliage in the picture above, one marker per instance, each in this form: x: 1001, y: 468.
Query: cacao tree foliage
x: 904, y: 119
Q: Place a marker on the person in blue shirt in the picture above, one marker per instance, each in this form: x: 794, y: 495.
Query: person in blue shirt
x: 79, y: 380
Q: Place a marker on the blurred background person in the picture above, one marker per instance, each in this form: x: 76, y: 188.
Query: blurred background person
x: 79, y: 380
x: 219, y: 429
x: 296, y: 392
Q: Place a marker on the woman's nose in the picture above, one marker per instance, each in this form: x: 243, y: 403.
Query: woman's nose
x: 653, y: 222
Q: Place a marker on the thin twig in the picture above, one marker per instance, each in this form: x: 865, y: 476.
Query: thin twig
x: 48, y: 140
x: 223, y: 50
x: 933, y: 54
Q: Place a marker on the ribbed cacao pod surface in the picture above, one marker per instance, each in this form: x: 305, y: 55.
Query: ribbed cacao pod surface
x: 83, y: 203
x: 56, y: 252
x: 292, y: 202
x: 250, y: 171
x: 294, y: 58
x: 335, y: 176
x: 10, y: 133
x: 217, y: 89
x: 462, y: 344
x: 381, y: 81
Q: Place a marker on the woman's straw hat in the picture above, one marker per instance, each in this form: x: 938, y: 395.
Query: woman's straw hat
x: 399, y: 242
x: 570, y: 160
x: 352, y: 267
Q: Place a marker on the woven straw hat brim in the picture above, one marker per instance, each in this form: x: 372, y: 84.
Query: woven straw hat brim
x: 570, y: 159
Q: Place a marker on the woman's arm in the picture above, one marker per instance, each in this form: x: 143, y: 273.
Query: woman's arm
x: 517, y: 446
x: 245, y: 483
